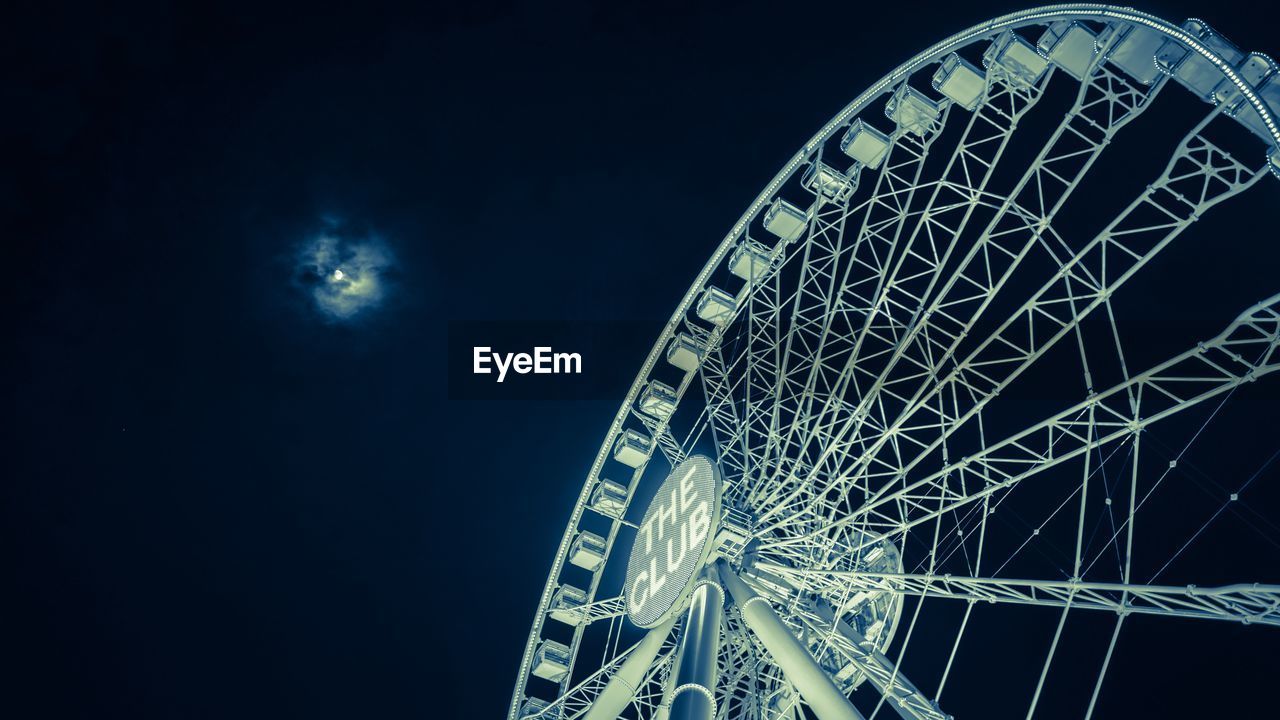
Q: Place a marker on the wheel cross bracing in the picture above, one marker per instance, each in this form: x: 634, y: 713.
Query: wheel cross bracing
x: 856, y: 358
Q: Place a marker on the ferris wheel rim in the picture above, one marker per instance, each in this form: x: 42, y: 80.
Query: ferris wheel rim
x: 1028, y: 17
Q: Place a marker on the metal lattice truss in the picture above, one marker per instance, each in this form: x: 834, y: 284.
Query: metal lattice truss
x: 1246, y: 351
x: 605, y: 609
x: 929, y: 339
x: 1240, y: 603
x: 852, y: 355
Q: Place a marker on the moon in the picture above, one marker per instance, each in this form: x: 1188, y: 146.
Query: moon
x: 346, y: 273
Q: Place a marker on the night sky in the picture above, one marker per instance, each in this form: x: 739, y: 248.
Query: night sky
x: 230, y: 496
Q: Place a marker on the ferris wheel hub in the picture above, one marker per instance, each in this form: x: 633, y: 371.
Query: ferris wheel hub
x: 673, y: 542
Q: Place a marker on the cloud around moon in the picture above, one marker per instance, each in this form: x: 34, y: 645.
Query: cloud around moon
x: 345, y: 275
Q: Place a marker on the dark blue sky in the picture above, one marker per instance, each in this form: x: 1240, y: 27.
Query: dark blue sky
x: 219, y: 504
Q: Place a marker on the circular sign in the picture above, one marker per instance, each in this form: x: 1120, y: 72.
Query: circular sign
x: 673, y: 542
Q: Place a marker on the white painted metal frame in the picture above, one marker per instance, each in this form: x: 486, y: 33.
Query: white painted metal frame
x: 835, y: 395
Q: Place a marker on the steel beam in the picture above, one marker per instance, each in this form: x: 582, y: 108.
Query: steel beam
x: 694, y: 694
x: 1248, y: 603
x: 880, y: 671
x: 673, y: 673
x: 621, y: 688
x: 797, y: 664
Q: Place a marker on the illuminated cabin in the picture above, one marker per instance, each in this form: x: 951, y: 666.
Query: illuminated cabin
x: 566, y: 604
x: 1260, y: 72
x: 785, y: 220
x: 1133, y: 51
x: 865, y: 144
x: 1070, y: 46
x: 960, y: 82
x: 1191, y: 69
x: 1021, y: 63
x: 658, y: 400
x: 632, y: 448
x: 587, y: 551
x: 551, y: 661
x: 822, y: 179
x: 734, y: 534
x: 686, y: 353
x: 609, y: 498
x: 912, y: 110
x: 750, y: 260
x: 716, y: 306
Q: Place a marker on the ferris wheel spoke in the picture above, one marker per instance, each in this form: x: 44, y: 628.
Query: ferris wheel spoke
x: 1104, y: 105
x: 739, y: 674
x: 1199, y: 176
x: 1087, y: 278
x: 937, y: 226
x: 811, y: 343
x: 605, y: 609
x: 619, y: 690
x: 734, y: 406
x: 641, y: 661
x: 660, y: 432
x: 1106, y: 664
x: 880, y: 238
x: 1244, y: 352
x: 1244, y: 603
x: 722, y: 413
x: 800, y: 668
x: 811, y: 320
x: 862, y: 656
x: 874, y: 246
x: 764, y: 348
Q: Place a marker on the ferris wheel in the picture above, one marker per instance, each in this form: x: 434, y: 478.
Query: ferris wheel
x: 906, y: 397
